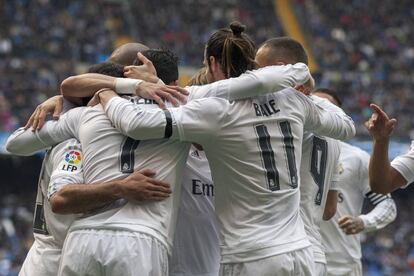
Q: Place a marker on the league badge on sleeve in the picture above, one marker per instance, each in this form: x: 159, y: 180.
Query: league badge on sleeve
x: 73, y: 159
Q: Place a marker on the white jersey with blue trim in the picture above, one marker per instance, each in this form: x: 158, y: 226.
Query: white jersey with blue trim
x: 196, y: 249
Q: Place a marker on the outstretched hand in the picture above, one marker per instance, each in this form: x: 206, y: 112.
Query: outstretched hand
x: 380, y: 126
x: 37, y: 119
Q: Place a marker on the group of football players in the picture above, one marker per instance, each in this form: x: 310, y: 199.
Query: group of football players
x: 240, y: 173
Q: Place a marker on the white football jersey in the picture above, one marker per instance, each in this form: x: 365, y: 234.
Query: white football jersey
x: 404, y: 164
x: 318, y: 170
x: 353, y: 187
x: 109, y: 155
x: 62, y: 165
x: 254, y: 150
x: 196, y: 249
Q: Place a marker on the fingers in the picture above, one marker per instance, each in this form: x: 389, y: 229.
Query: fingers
x: 159, y: 101
x: 168, y: 97
x: 58, y: 109
x: 146, y: 172
x: 143, y: 59
x: 158, y: 195
x: 179, y: 89
x: 159, y: 189
x: 41, y: 118
x: 344, y: 219
x: 36, y: 118
x: 379, y: 111
x: 31, y: 119
x: 157, y: 185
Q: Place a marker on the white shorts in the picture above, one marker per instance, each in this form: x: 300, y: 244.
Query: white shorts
x: 298, y: 263
x: 42, y: 259
x: 320, y: 269
x: 92, y: 252
x: 344, y: 269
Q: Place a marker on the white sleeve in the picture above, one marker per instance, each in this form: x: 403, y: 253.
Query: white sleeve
x: 138, y: 123
x: 384, y: 213
x: 404, y: 164
x: 188, y: 122
x: 254, y: 83
x: 199, y: 121
x: 67, y: 166
x: 332, y: 123
x: 27, y: 142
x: 335, y: 177
x: 385, y: 210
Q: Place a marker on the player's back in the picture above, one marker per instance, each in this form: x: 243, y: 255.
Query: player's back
x: 318, y: 166
x: 254, y: 149
x: 254, y: 154
x: 353, y: 167
x: 109, y: 155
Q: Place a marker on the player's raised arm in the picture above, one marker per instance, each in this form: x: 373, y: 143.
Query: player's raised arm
x: 26, y: 142
x: 254, y: 83
x: 384, y: 177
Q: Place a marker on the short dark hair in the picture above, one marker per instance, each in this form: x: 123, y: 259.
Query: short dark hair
x: 288, y: 48
x: 329, y: 92
x: 164, y: 61
x: 233, y: 49
x: 108, y: 68
x: 105, y: 68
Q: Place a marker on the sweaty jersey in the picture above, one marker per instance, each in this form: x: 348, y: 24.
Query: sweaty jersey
x: 254, y: 151
x: 318, y: 169
x: 353, y: 188
x: 110, y: 155
x: 404, y: 164
x: 196, y: 249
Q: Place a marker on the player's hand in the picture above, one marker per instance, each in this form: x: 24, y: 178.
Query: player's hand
x: 145, y: 72
x: 37, y: 119
x: 160, y: 92
x: 140, y: 186
x: 380, y: 126
x: 307, y: 87
x: 351, y: 225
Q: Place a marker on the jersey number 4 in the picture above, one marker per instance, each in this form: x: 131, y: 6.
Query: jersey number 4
x: 268, y: 155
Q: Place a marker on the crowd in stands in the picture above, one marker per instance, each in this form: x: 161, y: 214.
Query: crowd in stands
x: 366, y: 52
x: 41, y: 43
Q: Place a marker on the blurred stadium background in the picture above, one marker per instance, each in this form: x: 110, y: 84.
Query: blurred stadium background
x: 362, y: 49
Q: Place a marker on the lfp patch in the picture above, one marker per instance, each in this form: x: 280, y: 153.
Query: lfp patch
x: 73, y: 157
